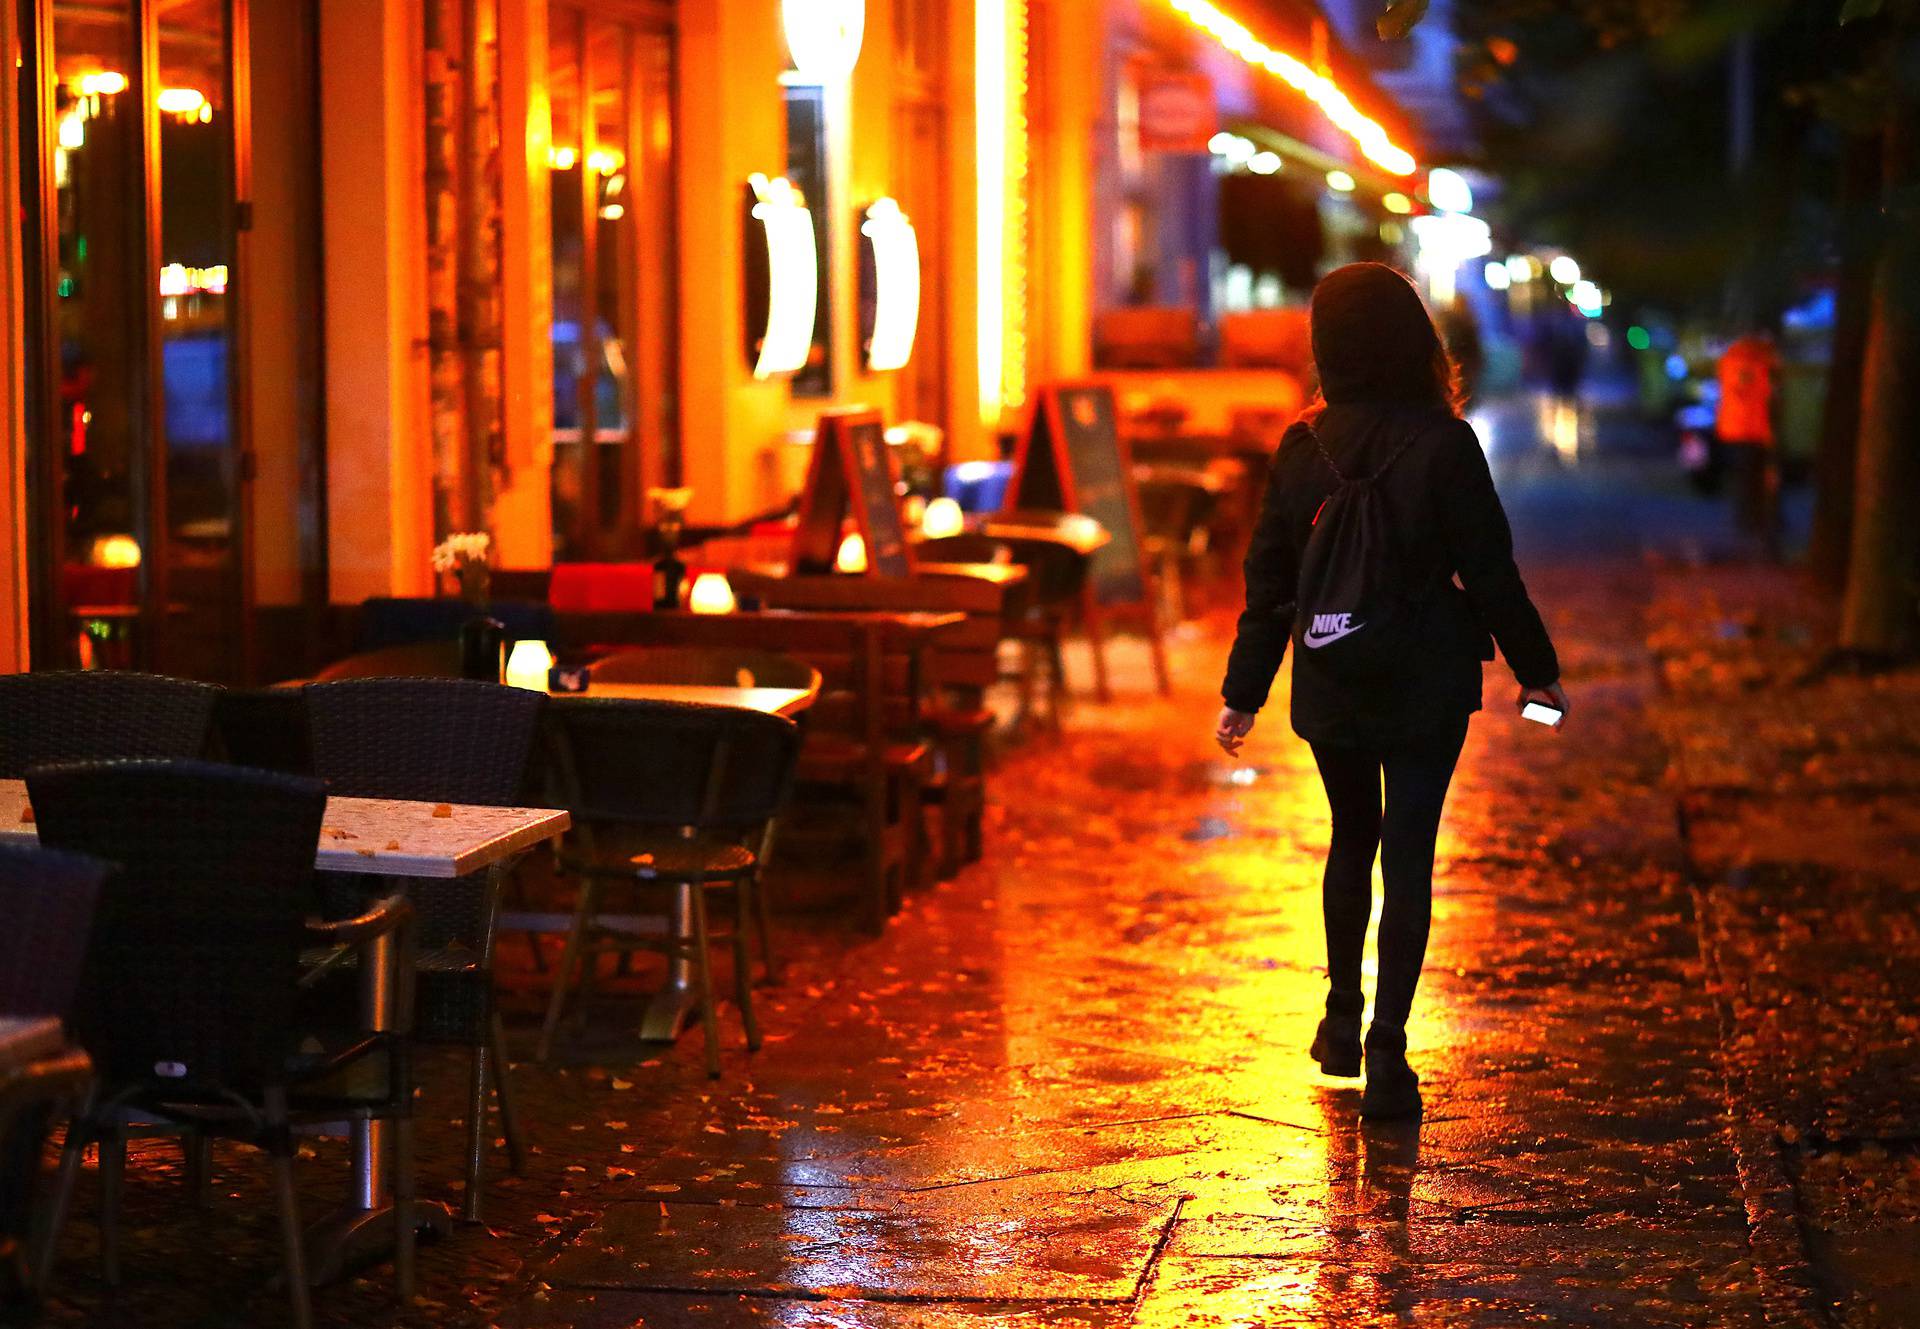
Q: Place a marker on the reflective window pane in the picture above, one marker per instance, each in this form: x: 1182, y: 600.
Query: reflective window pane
x: 97, y: 322
x: 196, y: 336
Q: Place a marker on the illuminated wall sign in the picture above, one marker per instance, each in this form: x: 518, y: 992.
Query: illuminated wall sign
x: 893, y: 268
x: 824, y: 36
x: 1369, y: 135
x: 1176, y: 111
x: 782, y: 277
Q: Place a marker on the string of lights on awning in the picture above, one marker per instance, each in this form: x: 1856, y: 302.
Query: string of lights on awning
x: 1368, y: 134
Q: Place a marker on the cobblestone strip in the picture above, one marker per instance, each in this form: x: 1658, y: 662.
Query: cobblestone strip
x: 1789, y: 1291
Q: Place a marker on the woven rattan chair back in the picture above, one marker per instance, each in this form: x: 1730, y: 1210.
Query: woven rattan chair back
x: 670, y: 764
x: 444, y: 740
x: 47, y: 899
x: 192, y: 970
x: 98, y: 715
x: 265, y: 728
x: 703, y: 666
x: 440, y: 740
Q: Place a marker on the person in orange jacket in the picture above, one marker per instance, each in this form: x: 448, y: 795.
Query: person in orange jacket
x: 1748, y: 372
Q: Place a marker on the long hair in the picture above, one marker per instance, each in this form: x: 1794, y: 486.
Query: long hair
x: 1373, y: 335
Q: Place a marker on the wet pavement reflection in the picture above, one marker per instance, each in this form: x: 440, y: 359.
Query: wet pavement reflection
x: 1072, y: 1087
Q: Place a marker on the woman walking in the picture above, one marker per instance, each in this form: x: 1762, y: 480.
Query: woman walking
x: 1385, y: 437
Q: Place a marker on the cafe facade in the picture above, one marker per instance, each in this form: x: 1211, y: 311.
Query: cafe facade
x: 304, y: 286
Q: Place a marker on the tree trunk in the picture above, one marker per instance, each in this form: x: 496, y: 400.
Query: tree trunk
x: 1881, y: 616
x: 1858, y: 234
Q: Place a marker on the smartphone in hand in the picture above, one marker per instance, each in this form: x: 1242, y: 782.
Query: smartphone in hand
x: 1541, y: 713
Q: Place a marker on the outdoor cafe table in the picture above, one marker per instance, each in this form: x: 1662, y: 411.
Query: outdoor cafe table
x: 357, y: 835
x: 770, y: 701
x: 676, y: 1002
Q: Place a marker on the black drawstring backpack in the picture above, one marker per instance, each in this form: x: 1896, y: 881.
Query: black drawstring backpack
x: 1356, y: 612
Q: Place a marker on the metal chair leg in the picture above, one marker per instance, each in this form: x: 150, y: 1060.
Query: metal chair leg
x: 743, y: 965
x: 1057, y: 693
x: 763, y: 923
x: 563, y: 975
x: 703, y: 980
x: 292, y: 1236
x: 405, y: 1234
x: 509, y: 1119
x: 1095, y: 628
x: 476, y: 1130
x: 71, y: 1154
x: 113, y: 1173
x: 197, y: 1150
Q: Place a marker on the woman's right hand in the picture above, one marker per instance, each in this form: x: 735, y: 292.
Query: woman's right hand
x: 1552, y: 695
x: 1231, y: 730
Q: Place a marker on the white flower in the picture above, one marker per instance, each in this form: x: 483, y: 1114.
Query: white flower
x: 460, y: 551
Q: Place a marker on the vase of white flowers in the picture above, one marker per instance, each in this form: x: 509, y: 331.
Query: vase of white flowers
x: 483, y: 638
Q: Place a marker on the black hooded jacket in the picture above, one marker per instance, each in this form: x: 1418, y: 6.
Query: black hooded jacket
x: 1441, y: 499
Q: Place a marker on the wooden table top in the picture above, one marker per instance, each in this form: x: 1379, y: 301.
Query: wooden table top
x: 1000, y: 574
x: 26, y: 1039
x: 396, y: 837
x: 771, y: 701
x: 1082, y: 539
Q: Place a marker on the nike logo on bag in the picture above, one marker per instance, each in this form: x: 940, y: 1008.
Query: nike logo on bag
x: 1329, y: 628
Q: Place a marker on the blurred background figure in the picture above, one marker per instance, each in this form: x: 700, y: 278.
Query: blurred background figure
x: 1560, y: 349
x: 1748, y: 371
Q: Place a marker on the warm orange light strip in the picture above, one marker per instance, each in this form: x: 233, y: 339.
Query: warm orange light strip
x: 1317, y: 88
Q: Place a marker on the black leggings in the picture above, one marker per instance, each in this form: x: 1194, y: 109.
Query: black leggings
x: 1417, y: 775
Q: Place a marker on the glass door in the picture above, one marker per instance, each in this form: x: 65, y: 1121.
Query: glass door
x: 130, y: 215
x: 609, y: 84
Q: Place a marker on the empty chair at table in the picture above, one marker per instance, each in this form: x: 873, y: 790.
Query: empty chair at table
x: 668, y: 795
x: 1176, y: 504
x: 88, y: 715
x: 47, y: 899
x: 1050, y: 546
x: 441, y: 740
x: 265, y: 728
x: 189, y: 999
x: 960, y: 666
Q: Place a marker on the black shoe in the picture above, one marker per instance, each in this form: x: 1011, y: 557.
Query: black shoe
x: 1393, y: 1090
x: 1336, y: 1044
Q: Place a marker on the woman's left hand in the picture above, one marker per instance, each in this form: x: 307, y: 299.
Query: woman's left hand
x: 1232, y: 729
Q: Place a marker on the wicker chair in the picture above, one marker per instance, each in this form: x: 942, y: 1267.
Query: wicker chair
x: 47, y: 898
x: 89, y: 715
x: 1058, y: 574
x: 452, y: 741
x: 265, y: 728
x: 188, y: 1005
x: 666, y: 794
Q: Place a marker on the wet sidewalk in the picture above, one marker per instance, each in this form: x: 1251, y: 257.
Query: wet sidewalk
x: 1071, y: 1087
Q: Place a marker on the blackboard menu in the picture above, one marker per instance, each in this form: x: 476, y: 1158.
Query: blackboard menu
x: 883, y: 526
x: 852, y: 467
x: 1073, y: 459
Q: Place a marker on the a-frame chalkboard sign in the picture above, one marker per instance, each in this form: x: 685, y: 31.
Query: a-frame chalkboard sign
x: 852, y: 466
x: 1072, y: 458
